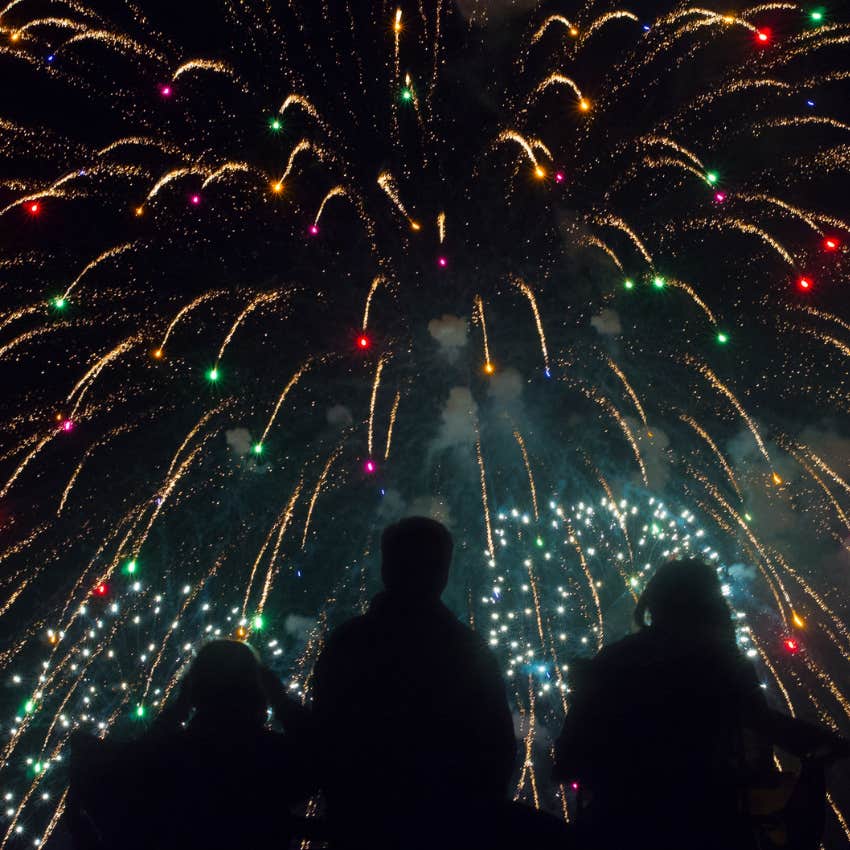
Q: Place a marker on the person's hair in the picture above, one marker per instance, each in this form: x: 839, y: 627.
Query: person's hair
x: 224, y: 679
x: 415, y: 556
x: 685, y: 597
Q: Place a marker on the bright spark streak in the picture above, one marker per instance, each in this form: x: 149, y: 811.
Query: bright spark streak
x: 292, y: 382
x: 526, y: 290
x: 632, y: 394
x: 391, y: 425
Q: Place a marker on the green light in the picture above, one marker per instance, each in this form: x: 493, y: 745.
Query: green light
x: 29, y: 706
x: 748, y: 518
x: 629, y: 284
x: 406, y: 95
x: 212, y: 375
x: 659, y: 283
x: 539, y: 541
x: 275, y: 124
x: 711, y: 177
x: 131, y: 567
x: 140, y: 710
x: 722, y: 338
x: 816, y: 15
x: 258, y: 622
x: 258, y: 448
x: 59, y: 303
x: 37, y: 767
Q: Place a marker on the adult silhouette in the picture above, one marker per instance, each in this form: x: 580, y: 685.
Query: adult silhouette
x: 411, y: 710
x: 207, y: 774
x: 668, y: 729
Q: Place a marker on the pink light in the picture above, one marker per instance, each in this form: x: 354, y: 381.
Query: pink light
x: 196, y: 199
x: 442, y: 262
x: 559, y: 176
x: 165, y: 91
x: 574, y: 786
x: 369, y: 466
x: 720, y: 197
x: 314, y: 229
x: 67, y: 425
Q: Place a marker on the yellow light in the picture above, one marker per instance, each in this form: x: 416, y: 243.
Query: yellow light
x: 777, y: 479
x: 241, y: 632
x: 16, y: 36
x: 539, y: 172
x: 397, y: 24
x: 489, y: 368
x: 798, y: 621
x: 415, y: 225
x: 584, y: 105
x: 729, y: 19
x: 277, y: 187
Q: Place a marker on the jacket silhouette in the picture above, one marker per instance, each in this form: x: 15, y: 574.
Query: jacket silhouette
x: 411, y: 710
x: 668, y: 727
x: 215, y: 778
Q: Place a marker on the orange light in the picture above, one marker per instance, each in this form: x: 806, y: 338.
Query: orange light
x: 277, y: 187
x: 140, y: 211
x: 241, y: 632
x: 777, y: 478
x: 489, y: 368
x: 157, y: 353
x: 415, y: 225
x: 584, y: 105
x: 574, y: 32
x: 16, y: 36
x: 539, y: 172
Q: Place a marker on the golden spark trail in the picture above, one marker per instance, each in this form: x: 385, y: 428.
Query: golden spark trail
x: 174, y: 174
x: 198, y: 425
x: 560, y: 80
x: 752, y: 230
x: 304, y: 103
x: 820, y: 314
x: 117, y: 41
x: 718, y: 385
x: 632, y: 394
x: 604, y: 19
x: 335, y: 192
x: 526, y: 290
x: 521, y: 443
x: 25, y: 337
x: 182, y: 312
x: 717, y: 453
x: 376, y: 282
x: 254, y: 568
x: 111, y: 252
x: 141, y: 141
x: 668, y: 161
x: 554, y: 19
x: 804, y: 216
x: 680, y: 284
x: 63, y: 23
x: 264, y: 298
x: 479, y: 307
x: 212, y: 65
x: 441, y: 226
x: 393, y: 414
x: 525, y: 145
x: 624, y: 427
x: 302, y: 147
x: 319, y: 484
x: 830, y: 340
x: 375, y: 384
x: 596, y: 242
x: 573, y: 538
x: 484, y: 500
x: 674, y: 145
x: 292, y: 382
x: 85, y: 383
x: 283, y: 524
x: 19, y: 314
x: 801, y: 121
x: 839, y: 816
x: 387, y: 182
x: 817, y: 479
x: 228, y: 168
x: 24, y: 463
x: 825, y: 467
x: 619, y: 224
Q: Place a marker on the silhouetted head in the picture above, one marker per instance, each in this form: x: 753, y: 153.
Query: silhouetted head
x: 224, y: 682
x: 685, y: 597
x: 415, y: 557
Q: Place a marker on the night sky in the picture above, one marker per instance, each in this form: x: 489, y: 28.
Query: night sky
x: 273, y: 275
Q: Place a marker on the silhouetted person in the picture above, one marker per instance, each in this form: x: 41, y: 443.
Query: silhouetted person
x: 669, y: 726
x: 207, y: 774
x: 412, y: 710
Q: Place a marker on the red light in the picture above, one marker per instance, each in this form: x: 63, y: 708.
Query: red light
x: 792, y: 646
x: 369, y: 466
x: 101, y: 589
x: 34, y: 208
x: 763, y: 36
x: 363, y: 341
x: 830, y: 243
x: 805, y: 284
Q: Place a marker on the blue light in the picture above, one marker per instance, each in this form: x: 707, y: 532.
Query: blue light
x: 810, y: 103
x: 51, y: 57
x: 646, y: 27
x: 298, y: 573
x: 383, y: 492
x: 547, y: 372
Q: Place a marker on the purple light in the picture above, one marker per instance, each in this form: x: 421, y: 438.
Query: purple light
x: 720, y: 197
x: 165, y: 91
x: 369, y: 466
x: 196, y: 199
x: 559, y: 176
x: 314, y: 229
x: 442, y: 262
x: 67, y: 425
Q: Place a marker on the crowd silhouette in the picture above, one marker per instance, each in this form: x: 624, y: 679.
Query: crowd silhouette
x: 408, y: 742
